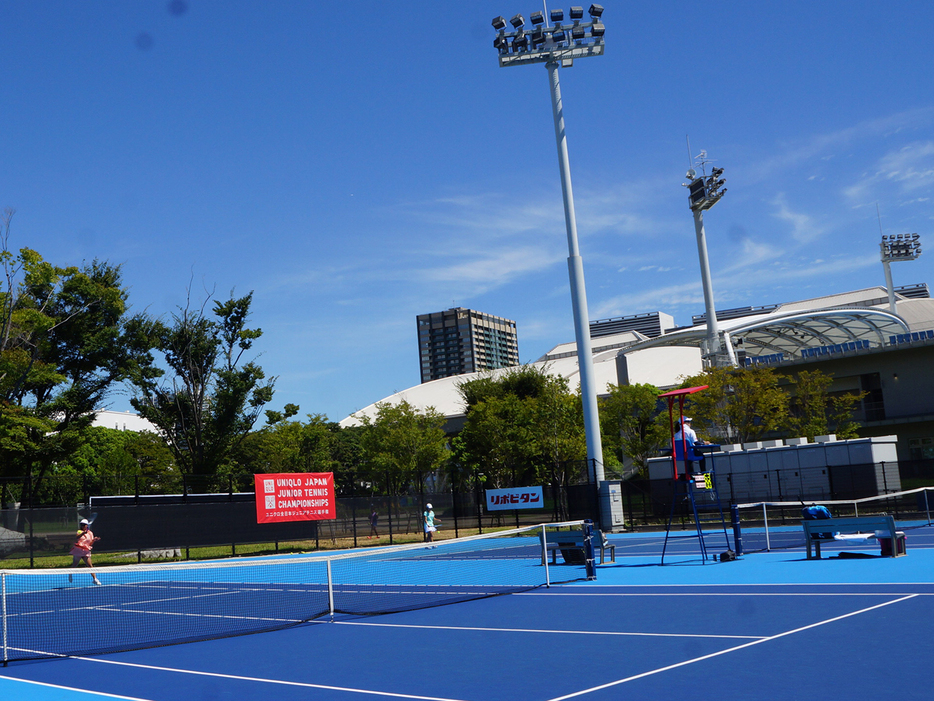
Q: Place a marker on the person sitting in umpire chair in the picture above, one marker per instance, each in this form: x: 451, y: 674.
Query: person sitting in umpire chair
x: 686, y: 438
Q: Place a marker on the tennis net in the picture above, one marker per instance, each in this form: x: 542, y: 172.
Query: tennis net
x: 56, y: 613
x: 776, y: 525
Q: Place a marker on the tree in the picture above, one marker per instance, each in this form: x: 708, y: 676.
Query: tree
x: 209, y: 400
x: 815, y: 412
x: 403, y: 447
x: 521, y: 427
x: 740, y: 404
x: 633, y: 424
x: 111, y: 461
x: 66, y: 341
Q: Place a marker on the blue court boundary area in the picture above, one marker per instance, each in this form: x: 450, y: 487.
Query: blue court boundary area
x: 770, y: 625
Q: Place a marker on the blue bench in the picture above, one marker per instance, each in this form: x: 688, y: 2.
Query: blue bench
x: 571, y: 545
x: 854, y: 524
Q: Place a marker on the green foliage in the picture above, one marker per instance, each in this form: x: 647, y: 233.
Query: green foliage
x: 403, y: 446
x: 634, y: 427
x: 815, y: 412
x: 521, y: 427
x: 65, y: 342
x: 208, y: 402
x: 740, y: 405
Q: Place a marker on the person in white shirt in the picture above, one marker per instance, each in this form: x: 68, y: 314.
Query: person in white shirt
x: 686, y: 435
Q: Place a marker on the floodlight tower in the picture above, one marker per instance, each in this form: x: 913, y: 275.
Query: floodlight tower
x: 704, y: 191
x: 897, y: 247
x: 554, y: 45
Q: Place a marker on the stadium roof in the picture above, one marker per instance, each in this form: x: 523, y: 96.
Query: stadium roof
x: 791, y: 331
x: 860, y: 317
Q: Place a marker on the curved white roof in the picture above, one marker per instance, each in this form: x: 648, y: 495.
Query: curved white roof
x: 443, y: 396
x: 858, y: 316
x: 790, y: 332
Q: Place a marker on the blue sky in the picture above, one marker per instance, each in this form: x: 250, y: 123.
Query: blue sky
x: 357, y: 168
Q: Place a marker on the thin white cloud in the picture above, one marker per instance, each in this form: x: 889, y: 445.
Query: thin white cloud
x: 492, y: 269
x: 803, y: 227
x: 908, y: 168
x: 793, y: 155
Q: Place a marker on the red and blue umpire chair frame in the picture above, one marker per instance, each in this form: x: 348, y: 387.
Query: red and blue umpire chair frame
x: 705, y: 481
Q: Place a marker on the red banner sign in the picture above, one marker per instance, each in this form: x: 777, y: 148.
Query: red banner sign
x: 295, y: 496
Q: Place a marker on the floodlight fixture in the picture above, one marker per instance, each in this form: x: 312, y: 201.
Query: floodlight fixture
x: 697, y: 192
x: 704, y: 191
x: 550, y: 45
x: 897, y: 247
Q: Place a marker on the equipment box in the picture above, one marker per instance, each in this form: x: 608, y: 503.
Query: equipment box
x: 886, y: 544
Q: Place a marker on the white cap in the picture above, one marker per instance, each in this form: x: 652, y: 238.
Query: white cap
x: 83, y: 522
x: 688, y: 419
x: 427, y: 506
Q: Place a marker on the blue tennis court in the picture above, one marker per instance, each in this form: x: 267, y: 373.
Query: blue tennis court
x: 770, y: 625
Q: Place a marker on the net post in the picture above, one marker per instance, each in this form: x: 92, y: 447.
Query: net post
x: 544, y: 544
x: 330, y: 590
x: 927, y: 506
x: 3, y: 598
x: 590, y: 565
x: 737, y: 530
x: 765, y: 521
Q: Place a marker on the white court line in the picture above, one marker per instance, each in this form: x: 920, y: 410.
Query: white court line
x: 72, y: 689
x: 556, y: 632
x: 727, y: 651
x: 731, y: 594
x: 280, y: 682
x: 693, y: 585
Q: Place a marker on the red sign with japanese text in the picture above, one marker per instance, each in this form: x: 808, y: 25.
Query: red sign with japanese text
x: 295, y: 496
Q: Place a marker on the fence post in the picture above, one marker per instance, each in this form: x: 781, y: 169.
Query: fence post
x: 3, y: 614
x: 477, y: 495
x: 598, y: 523
x: 32, y: 543
x: 454, y: 495
x: 353, y: 504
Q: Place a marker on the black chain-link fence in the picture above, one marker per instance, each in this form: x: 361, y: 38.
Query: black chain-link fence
x: 42, y: 522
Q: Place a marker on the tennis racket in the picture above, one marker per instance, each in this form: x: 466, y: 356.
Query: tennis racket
x: 92, y: 518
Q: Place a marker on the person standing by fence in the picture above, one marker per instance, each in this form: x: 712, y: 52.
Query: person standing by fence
x: 428, y: 518
x: 374, y: 519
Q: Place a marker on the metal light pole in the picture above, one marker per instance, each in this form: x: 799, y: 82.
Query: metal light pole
x: 562, y: 43
x: 704, y: 193
x: 897, y: 247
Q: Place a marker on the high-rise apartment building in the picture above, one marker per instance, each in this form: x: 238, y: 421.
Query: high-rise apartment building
x: 458, y: 341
